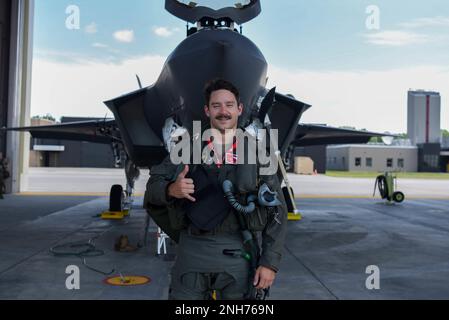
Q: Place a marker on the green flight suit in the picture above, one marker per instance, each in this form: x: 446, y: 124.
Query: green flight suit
x: 201, y: 266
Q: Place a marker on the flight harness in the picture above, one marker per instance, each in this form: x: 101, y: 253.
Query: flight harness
x: 251, y: 252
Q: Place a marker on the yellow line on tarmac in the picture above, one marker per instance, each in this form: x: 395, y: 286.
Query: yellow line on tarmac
x: 426, y: 198
x: 297, y: 196
x: 333, y: 196
x: 70, y: 194
x: 329, y: 196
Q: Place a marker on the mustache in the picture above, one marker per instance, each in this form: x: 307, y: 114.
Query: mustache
x: 223, y: 117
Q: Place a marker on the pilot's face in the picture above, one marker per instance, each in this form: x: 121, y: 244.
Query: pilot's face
x: 223, y: 110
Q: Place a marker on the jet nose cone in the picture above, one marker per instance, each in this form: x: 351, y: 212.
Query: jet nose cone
x: 224, y: 43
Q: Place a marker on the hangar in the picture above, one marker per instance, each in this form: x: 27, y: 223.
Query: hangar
x: 16, y: 39
x: 326, y: 258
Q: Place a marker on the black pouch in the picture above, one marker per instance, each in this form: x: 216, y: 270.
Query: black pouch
x: 245, y: 177
x: 258, y: 219
x: 211, y: 207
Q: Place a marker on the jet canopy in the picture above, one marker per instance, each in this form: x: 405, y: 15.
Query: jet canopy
x: 238, y: 11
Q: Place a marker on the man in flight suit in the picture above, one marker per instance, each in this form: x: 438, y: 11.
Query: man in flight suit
x: 192, y: 208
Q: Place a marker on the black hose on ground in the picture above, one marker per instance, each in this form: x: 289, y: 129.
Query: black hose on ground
x: 381, y: 184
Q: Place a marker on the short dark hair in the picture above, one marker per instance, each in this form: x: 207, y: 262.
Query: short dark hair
x: 220, y: 84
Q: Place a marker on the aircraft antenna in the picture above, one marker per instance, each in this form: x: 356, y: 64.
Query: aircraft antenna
x: 139, y: 82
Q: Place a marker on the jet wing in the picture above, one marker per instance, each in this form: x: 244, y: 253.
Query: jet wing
x: 99, y: 131
x: 284, y: 115
x: 312, y: 134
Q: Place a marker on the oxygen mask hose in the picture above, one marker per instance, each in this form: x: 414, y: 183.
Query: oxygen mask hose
x: 228, y: 191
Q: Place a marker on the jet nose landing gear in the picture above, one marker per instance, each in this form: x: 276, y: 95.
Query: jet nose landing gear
x: 117, y: 204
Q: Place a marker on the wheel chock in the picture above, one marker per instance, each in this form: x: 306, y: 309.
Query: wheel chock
x: 294, y: 216
x: 114, y: 215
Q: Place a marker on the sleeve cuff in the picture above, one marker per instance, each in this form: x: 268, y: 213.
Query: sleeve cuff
x: 159, y: 198
x: 270, y: 260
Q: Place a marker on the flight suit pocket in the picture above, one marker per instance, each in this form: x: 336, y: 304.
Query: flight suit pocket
x: 177, y: 217
x: 257, y: 220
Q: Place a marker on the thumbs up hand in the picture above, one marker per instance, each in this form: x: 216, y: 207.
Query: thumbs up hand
x: 183, y: 187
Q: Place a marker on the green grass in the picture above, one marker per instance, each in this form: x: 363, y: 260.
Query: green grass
x: 400, y: 175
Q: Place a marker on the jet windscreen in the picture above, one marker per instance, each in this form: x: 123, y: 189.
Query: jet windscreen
x: 216, y: 4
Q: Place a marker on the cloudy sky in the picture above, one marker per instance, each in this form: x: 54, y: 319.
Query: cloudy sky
x: 353, y: 68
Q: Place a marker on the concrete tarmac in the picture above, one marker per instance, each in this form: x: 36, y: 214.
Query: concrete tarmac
x: 326, y: 254
x: 82, y: 181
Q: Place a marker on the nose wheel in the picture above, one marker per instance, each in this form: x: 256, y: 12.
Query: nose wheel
x: 116, y: 198
x: 117, y: 208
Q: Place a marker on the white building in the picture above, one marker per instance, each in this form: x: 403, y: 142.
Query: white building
x: 376, y: 158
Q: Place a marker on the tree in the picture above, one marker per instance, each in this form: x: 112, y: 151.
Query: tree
x: 45, y: 117
x: 347, y: 127
x: 445, y: 133
x: 375, y: 140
